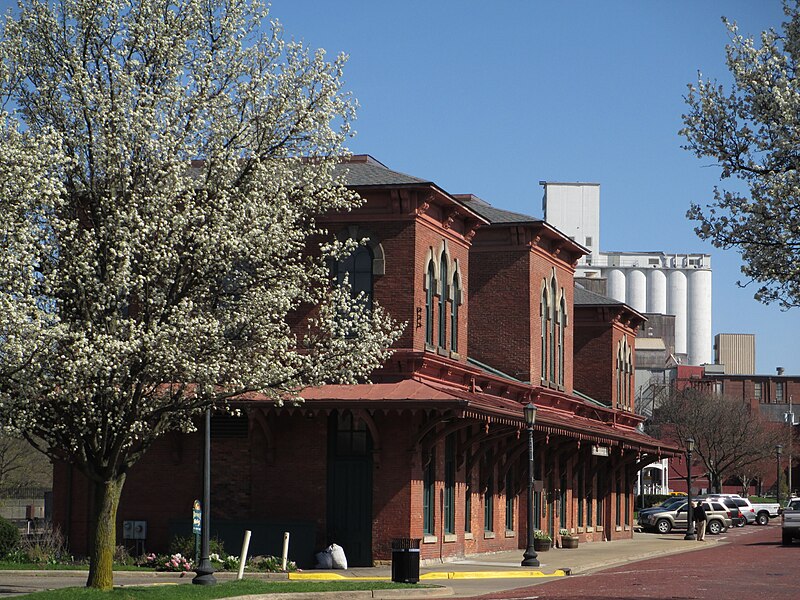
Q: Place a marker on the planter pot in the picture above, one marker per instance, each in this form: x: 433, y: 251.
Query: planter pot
x: 569, y: 542
x: 541, y: 545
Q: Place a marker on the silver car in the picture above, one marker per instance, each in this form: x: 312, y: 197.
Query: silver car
x: 718, y: 518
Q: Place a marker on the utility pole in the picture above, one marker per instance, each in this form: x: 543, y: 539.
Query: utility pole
x: 791, y: 426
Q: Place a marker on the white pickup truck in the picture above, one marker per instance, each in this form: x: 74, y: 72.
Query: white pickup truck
x: 766, y: 511
x: 790, y: 521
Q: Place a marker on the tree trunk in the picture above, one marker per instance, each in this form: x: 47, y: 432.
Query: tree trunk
x: 101, y: 559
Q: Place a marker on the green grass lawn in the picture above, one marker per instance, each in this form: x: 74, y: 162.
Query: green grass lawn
x: 228, y: 589
x: 14, y: 566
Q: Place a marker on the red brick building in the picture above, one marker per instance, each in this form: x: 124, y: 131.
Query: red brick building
x: 436, y: 447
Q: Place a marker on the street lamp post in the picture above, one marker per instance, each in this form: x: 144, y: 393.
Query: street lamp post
x: 778, y: 451
x: 530, y: 557
x: 205, y: 572
x: 690, y: 511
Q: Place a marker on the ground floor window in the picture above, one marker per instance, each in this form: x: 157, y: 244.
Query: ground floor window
x: 450, y: 484
x: 599, y: 502
x: 429, y: 496
x: 628, y: 494
x: 468, y: 509
x: 488, y: 507
x: 509, y: 502
x: 581, y: 494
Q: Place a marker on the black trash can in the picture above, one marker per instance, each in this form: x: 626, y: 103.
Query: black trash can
x: 405, y: 560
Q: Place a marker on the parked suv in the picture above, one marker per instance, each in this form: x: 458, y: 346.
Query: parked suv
x: 718, y: 518
x: 735, y: 502
x: 671, y: 502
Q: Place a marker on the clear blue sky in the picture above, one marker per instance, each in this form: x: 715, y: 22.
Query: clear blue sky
x: 490, y: 98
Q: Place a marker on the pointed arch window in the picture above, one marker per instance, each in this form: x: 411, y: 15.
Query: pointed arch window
x: 553, y: 333
x: 543, y: 310
x: 562, y: 326
x: 456, y: 300
x: 430, y: 284
x: 624, y: 375
x: 443, y: 300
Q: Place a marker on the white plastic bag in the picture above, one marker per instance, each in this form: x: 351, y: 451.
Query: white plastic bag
x: 337, y: 555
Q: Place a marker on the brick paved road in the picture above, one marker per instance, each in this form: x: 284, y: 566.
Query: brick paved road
x: 753, y: 566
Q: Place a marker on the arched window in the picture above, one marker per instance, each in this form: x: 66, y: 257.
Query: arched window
x: 443, y: 301
x: 456, y: 300
x: 618, y: 375
x: 357, y: 268
x: 553, y: 333
x: 562, y: 326
x: 430, y: 283
x: 543, y: 310
x: 624, y: 375
x: 628, y: 377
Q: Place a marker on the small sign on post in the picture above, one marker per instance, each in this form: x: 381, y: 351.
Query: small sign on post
x: 197, y: 517
x: 197, y: 528
x: 598, y: 450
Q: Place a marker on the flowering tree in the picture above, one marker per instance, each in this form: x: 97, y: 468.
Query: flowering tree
x: 753, y: 134
x: 162, y: 163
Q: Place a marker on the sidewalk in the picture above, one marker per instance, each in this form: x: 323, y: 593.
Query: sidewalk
x: 478, y: 575
x: 470, y: 576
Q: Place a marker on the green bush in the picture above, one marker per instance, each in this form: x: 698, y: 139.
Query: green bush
x: 270, y: 564
x: 648, y: 500
x: 9, y: 536
x: 46, y: 547
x: 184, y: 545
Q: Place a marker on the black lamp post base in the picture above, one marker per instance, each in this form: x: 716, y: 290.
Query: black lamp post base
x: 205, y: 573
x: 690, y: 536
x: 529, y: 559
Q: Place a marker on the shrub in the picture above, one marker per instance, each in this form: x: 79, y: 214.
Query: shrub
x: 48, y: 546
x: 184, y: 545
x: 122, y: 556
x: 17, y: 556
x: 271, y: 564
x: 226, y: 563
x: 9, y: 536
x: 538, y: 534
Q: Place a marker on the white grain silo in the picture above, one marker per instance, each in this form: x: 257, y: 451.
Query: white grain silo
x: 656, y: 291
x: 616, y: 284
x: 699, y: 317
x: 677, y: 305
x: 637, y: 290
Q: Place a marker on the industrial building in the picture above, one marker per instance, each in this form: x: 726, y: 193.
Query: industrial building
x: 649, y: 282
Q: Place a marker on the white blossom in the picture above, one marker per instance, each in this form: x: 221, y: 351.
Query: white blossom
x: 752, y: 132
x: 162, y: 167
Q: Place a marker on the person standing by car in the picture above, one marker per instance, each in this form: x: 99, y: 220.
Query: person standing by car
x: 700, y: 521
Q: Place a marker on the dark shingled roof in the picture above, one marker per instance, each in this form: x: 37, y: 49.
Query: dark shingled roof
x: 492, y: 214
x: 365, y: 170
x: 585, y: 297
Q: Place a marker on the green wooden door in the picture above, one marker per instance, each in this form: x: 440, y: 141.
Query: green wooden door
x: 349, y: 499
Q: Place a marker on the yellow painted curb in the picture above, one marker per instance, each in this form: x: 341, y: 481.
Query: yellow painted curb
x: 333, y: 577
x: 492, y: 574
x: 435, y: 575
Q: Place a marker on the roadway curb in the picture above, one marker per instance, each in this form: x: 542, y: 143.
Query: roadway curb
x: 437, y: 575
